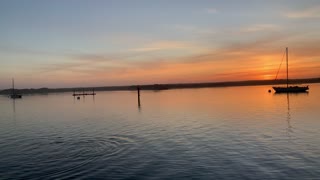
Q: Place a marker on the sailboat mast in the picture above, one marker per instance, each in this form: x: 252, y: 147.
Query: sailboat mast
x: 287, y: 68
x: 12, y: 86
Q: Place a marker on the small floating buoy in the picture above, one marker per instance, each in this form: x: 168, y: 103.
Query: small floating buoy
x: 269, y: 91
x: 78, y: 97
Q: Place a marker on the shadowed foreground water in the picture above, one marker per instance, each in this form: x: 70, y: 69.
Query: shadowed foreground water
x: 213, y: 133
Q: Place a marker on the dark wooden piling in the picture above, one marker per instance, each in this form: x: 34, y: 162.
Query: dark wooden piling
x: 138, y: 89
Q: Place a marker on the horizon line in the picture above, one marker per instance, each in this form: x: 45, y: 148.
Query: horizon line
x: 276, y: 81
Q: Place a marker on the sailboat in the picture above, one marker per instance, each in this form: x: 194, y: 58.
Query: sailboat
x: 14, y: 95
x: 290, y: 89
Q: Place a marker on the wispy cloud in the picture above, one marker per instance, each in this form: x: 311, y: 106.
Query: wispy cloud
x: 211, y: 10
x: 256, y: 59
x: 93, y: 58
x: 312, y: 12
x: 163, y: 45
x: 194, y: 29
x: 129, y: 38
x: 260, y: 27
x: 29, y: 51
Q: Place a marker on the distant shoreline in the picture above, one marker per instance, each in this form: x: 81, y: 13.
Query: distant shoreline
x: 157, y: 87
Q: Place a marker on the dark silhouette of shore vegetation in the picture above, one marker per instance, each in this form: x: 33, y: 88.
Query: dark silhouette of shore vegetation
x: 158, y: 87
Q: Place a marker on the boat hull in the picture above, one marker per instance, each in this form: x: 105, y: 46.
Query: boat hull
x: 291, y: 89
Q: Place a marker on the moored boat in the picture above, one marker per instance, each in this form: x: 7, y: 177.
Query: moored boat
x: 289, y: 89
x: 14, y: 95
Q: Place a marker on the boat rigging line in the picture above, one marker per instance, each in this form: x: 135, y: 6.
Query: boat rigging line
x: 280, y: 64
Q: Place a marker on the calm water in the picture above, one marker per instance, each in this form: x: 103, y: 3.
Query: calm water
x: 212, y: 133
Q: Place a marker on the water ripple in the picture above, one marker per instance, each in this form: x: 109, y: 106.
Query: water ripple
x: 69, y: 158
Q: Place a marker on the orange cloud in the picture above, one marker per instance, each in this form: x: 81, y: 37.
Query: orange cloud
x: 163, y: 45
x: 258, y: 59
x: 313, y: 12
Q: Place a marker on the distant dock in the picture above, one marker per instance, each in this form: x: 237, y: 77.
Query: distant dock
x: 83, y: 93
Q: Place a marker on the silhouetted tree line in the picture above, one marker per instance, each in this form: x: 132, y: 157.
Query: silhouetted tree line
x: 157, y: 87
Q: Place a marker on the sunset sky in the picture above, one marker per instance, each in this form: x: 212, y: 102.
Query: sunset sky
x: 75, y: 43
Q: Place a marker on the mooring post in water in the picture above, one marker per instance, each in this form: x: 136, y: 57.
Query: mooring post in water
x: 138, y: 89
x: 93, y: 94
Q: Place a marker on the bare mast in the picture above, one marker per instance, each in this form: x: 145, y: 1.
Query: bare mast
x: 287, y: 68
x: 12, y: 86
